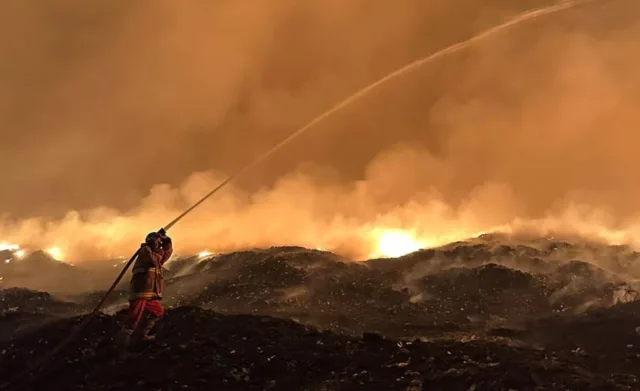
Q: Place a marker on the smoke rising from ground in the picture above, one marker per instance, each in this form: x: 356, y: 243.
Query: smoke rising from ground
x: 535, y: 129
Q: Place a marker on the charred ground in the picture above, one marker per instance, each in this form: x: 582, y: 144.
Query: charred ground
x: 489, y: 313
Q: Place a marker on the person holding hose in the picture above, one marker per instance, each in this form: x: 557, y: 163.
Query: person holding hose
x: 145, y: 290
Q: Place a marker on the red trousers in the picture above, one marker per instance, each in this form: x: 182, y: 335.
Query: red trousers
x: 137, y: 308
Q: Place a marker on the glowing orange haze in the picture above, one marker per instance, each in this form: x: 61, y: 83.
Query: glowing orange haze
x: 340, y: 218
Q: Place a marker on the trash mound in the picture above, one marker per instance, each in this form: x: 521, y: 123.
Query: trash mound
x: 523, y: 252
x: 433, y: 295
x: 486, y: 292
x: 498, y: 295
x: 203, y: 350
x: 26, y: 300
x: 605, y: 335
x: 483, y: 283
x: 39, y: 271
x: 24, y: 309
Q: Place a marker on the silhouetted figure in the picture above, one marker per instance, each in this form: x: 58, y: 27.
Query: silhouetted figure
x: 146, y: 288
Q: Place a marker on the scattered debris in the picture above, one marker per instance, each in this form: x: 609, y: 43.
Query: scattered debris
x: 484, y: 322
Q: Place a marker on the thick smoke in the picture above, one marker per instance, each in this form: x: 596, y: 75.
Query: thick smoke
x: 535, y: 129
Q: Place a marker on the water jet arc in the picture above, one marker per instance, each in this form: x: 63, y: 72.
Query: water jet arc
x: 563, y: 5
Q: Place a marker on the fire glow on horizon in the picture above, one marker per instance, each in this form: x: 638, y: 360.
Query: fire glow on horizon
x: 4, y: 246
x: 55, y: 253
x: 204, y: 254
x: 393, y: 243
x: 390, y: 243
x: 377, y: 241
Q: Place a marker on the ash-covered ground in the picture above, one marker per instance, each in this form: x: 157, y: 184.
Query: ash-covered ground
x: 492, y: 313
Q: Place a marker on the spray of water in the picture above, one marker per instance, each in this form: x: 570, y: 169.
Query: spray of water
x: 405, y: 70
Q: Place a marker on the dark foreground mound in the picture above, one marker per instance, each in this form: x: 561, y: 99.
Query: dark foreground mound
x: 203, y: 350
x: 482, y: 283
x: 461, y: 287
x: 577, y: 301
x: 22, y: 310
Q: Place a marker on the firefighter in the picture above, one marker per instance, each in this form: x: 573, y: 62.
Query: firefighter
x: 146, y: 289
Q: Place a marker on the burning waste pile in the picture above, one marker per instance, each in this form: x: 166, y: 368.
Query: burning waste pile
x: 462, y: 287
x: 489, y: 313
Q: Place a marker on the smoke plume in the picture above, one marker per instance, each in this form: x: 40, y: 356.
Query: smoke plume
x: 115, y: 117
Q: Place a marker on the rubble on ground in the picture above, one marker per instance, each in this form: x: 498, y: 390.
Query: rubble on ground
x: 202, y: 350
x: 485, y: 314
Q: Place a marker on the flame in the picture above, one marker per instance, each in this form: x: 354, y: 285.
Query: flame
x: 4, y: 246
x: 55, y: 253
x: 204, y: 254
x: 393, y: 243
x: 390, y: 235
